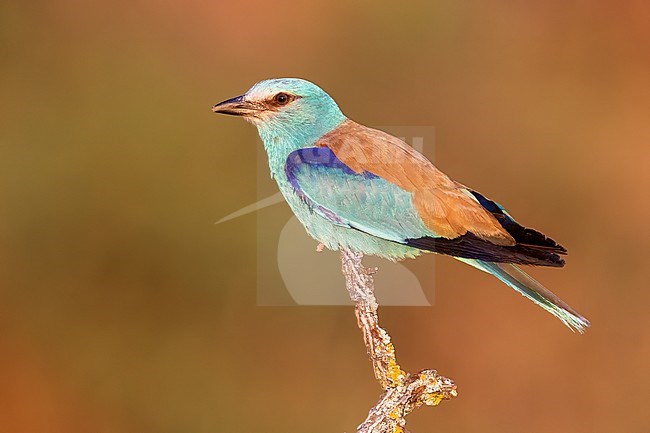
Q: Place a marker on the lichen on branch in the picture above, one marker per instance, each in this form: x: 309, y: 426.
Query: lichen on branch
x: 403, y: 392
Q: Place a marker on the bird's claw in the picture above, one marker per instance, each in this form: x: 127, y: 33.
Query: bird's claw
x: 372, y: 271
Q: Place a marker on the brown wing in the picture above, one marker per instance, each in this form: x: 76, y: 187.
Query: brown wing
x: 446, y: 209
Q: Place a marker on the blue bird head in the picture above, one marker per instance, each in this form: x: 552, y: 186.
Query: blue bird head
x: 286, y: 109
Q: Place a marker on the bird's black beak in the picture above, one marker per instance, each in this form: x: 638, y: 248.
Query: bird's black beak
x: 237, y: 106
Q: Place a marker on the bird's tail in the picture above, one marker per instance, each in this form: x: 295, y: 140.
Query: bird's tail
x: 530, y: 288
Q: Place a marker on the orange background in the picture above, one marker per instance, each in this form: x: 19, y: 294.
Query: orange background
x: 123, y: 308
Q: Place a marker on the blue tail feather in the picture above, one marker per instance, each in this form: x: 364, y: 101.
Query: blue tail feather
x: 530, y: 288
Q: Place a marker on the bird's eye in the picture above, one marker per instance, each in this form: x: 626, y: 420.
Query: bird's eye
x: 282, y: 99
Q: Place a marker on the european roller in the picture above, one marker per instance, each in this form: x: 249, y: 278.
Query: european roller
x: 360, y: 188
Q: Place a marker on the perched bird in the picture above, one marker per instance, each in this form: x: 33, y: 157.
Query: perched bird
x: 360, y: 188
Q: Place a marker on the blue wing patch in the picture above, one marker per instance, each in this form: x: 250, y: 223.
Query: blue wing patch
x: 361, y: 201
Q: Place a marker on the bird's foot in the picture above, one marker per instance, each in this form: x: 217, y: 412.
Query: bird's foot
x: 371, y: 271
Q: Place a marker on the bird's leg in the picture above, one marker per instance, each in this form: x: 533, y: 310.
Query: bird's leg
x: 403, y: 391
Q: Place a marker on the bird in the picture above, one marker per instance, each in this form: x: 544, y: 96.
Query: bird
x: 363, y: 189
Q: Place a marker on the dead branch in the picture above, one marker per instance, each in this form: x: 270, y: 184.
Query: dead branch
x: 403, y: 391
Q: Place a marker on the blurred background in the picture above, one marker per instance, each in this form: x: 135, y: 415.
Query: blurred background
x: 124, y: 308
